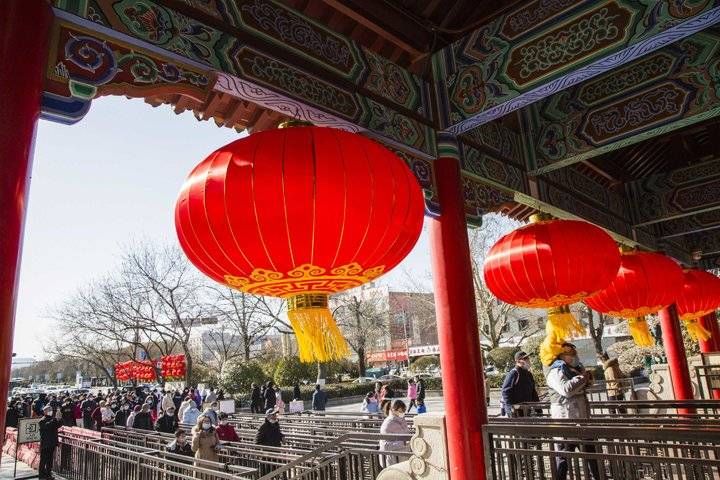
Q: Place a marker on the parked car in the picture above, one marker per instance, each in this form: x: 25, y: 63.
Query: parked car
x: 389, y: 378
x: 363, y: 380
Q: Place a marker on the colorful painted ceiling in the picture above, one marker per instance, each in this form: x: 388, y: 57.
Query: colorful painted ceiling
x: 604, y: 110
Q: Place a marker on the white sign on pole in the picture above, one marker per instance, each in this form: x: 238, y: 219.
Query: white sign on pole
x: 28, y: 430
x: 227, y: 406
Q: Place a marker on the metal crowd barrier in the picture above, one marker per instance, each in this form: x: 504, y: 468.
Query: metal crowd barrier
x: 661, y: 409
x: 530, y: 452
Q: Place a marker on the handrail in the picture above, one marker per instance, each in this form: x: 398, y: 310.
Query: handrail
x: 310, y: 456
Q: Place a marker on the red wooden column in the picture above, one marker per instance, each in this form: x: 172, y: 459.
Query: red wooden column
x: 24, y: 33
x: 675, y: 351
x: 709, y: 345
x: 710, y: 323
x: 460, y: 359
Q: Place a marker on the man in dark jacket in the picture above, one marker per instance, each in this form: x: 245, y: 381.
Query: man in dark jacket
x: 180, y: 446
x: 142, y: 419
x: 420, y: 390
x: 167, y: 423
x: 255, y: 399
x: 88, y: 406
x: 269, y: 396
x: 519, y: 385
x: 269, y: 433
x: 38, y: 405
x: 11, y: 416
x: 67, y: 413
x: 319, y: 399
x: 49, y: 427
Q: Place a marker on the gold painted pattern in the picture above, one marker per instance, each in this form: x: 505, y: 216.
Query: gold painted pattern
x: 306, y: 278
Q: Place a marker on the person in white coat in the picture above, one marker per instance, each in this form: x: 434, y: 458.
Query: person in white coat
x: 567, y: 381
x: 167, y: 401
x: 395, y: 423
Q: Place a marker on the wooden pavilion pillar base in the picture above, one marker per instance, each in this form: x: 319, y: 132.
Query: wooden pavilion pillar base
x: 24, y: 33
x: 459, y: 341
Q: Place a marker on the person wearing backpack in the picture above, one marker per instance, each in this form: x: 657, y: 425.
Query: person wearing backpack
x: 519, y: 385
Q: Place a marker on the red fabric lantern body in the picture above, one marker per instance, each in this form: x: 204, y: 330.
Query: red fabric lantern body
x: 699, y: 296
x: 551, y: 264
x: 645, y: 283
x: 300, y: 213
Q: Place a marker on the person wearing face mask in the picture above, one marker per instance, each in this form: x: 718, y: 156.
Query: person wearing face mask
x: 269, y: 433
x: 167, y: 423
x: 143, y: 421
x: 180, y: 446
x: 205, y: 440
x: 518, y: 386
x: 49, y: 426
x: 212, y: 413
x: 121, y: 415
x: 567, y: 381
x: 225, y: 431
x: 395, y: 423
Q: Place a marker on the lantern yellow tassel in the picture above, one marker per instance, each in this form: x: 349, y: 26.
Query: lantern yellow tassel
x: 640, y: 333
x: 561, y: 326
x: 318, y: 336
x: 697, y: 331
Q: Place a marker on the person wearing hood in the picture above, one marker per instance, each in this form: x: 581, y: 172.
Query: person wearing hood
x: 130, y: 423
x: 567, y: 381
x: 184, y: 406
x: 205, y: 440
x: 269, y: 433
x: 612, y: 373
x: 212, y: 413
x: 519, y: 385
x: 180, y: 446
x: 167, y: 402
x: 191, y: 414
x: 167, y: 423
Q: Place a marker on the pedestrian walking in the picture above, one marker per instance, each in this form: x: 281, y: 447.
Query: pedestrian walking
x: 412, y: 394
x: 612, y: 374
x: 167, y: 423
x: 319, y: 399
x: 370, y: 403
x: 255, y: 399
x: 205, y: 440
x: 269, y: 396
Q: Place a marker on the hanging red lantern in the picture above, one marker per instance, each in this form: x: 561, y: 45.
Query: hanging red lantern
x: 645, y: 283
x: 699, y: 296
x: 552, y: 264
x: 300, y: 213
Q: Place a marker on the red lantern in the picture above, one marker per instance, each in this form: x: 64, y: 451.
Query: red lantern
x: 300, y: 213
x: 552, y: 264
x: 645, y: 283
x: 700, y: 295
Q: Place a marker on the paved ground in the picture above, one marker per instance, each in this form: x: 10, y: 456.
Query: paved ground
x: 433, y: 404
x: 6, y: 469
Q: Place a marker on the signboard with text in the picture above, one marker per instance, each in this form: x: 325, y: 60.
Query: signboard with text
x: 424, y: 350
x: 28, y: 430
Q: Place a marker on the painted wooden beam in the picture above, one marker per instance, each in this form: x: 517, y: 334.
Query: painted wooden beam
x: 686, y: 192
x: 697, y: 223
x: 671, y: 88
x: 541, y: 48
x: 273, y: 46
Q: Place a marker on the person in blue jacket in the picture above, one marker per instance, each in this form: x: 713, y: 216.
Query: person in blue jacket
x: 519, y: 385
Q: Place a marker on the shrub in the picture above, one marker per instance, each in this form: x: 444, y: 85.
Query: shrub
x: 422, y: 364
x: 502, y: 357
x: 237, y: 376
x: 290, y: 370
x: 631, y: 358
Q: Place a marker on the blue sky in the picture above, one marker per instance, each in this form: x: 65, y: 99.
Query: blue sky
x: 102, y: 183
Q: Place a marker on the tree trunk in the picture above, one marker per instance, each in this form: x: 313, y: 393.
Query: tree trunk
x: 361, y: 361
x: 321, y: 373
x: 188, y: 368
x: 247, y: 350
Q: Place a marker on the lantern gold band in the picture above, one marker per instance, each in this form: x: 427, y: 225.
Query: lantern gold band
x: 294, y: 123
x: 307, y: 300
x: 540, y: 217
x: 559, y: 310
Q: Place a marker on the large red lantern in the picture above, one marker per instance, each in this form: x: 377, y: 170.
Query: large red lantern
x: 699, y: 296
x: 645, y: 283
x: 300, y: 213
x: 552, y: 264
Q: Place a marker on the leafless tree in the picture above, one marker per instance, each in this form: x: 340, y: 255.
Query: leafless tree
x: 595, y: 323
x: 88, y: 350
x: 362, y: 316
x: 150, y: 304
x: 244, y: 319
